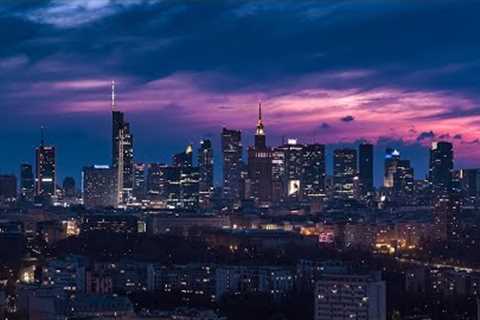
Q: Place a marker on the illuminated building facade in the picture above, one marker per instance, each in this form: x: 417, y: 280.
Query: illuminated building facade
x: 45, y: 170
x: 350, y: 296
x: 260, y: 165
x: 344, y: 171
x: 99, y: 186
x: 122, y: 153
x: 205, y: 166
x: 232, y: 150
x: 314, y: 170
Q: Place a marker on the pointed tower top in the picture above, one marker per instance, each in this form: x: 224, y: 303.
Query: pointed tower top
x: 260, y: 111
x: 260, y: 127
x: 113, y: 95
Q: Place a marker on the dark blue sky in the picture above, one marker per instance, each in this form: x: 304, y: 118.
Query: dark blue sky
x: 400, y: 73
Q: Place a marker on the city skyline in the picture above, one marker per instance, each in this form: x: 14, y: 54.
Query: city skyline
x: 335, y: 91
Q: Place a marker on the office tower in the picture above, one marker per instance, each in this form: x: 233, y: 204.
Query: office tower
x: 403, y: 179
x: 278, y: 175
x: 27, y: 182
x: 441, y: 166
x: 8, y: 187
x: 45, y: 170
x: 446, y: 210
x: 314, y: 170
x: 293, y: 171
x: 183, y: 159
x: 99, y: 186
x: 122, y: 152
x: 399, y: 176
x: 344, y: 171
x: 365, y: 167
x: 173, y: 187
x: 69, y: 187
x: 260, y: 165
x: 350, y: 296
x: 392, y: 156
x: 446, y: 200
x: 470, y: 182
x: 139, y: 187
x: 205, y: 166
x: 232, y: 165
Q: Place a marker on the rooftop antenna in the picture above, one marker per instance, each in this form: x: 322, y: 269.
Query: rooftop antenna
x: 260, y: 110
x: 42, y: 135
x: 113, y: 95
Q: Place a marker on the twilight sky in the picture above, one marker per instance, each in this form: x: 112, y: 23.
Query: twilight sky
x: 396, y: 73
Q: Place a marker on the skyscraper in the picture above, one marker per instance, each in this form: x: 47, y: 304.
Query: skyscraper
x: 99, y: 186
x: 441, y: 166
x: 399, y: 176
x: 446, y: 200
x: 292, y: 172
x: 392, y: 156
x: 314, y: 170
x: 183, y: 159
x: 344, y: 171
x: 122, y: 152
x: 232, y: 164
x: 365, y: 167
x: 139, y: 188
x: 45, y: 170
x: 27, y: 182
x: 260, y: 164
x: 205, y: 165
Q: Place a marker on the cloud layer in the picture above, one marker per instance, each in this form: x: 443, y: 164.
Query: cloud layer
x: 331, y: 71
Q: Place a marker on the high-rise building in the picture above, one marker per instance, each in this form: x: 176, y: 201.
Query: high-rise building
x: 99, y: 186
x: 441, y: 166
x: 205, y: 166
x: 399, y: 175
x: 365, y: 167
x: 260, y: 165
x: 183, y: 159
x: 446, y: 210
x: 470, y: 182
x: 173, y: 187
x: 8, y: 187
x: 69, y: 187
x: 45, y: 170
x: 278, y: 175
x: 446, y: 200
x: 344, y: 171
x: 292, y: 172
x: 27, y: 182
x: 139, y: 187
x: 314, y: 170
x: 122, y: 152
x: 392, y: 156
x: 350, y: 296
x: 232, y: 165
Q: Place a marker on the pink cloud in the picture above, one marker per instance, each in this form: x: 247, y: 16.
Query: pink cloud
x: 296, y: 110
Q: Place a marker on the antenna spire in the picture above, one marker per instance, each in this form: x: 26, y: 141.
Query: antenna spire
x: 260, y: 111
x: 42, y: 135
x: 113, y: 95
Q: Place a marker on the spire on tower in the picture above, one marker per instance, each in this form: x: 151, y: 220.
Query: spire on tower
x: 260, y: 128
x: 42, y: 135
x: 260, y: 111
x: 113, y: 95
